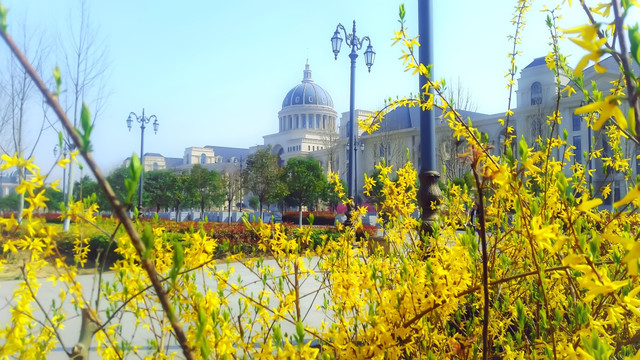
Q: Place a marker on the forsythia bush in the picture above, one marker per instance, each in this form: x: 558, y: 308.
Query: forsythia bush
x: 547, y: 274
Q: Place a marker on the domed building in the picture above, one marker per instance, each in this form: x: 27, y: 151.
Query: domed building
x: 307, y: 122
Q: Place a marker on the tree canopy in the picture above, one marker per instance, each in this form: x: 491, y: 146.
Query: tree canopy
x: 305, y: 182
x: 262, y: 177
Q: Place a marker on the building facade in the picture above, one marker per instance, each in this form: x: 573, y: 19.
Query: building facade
x: 306, y: 123
x: 308, y: 127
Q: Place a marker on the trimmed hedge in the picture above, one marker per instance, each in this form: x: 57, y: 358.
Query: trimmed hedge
x: 233, y: 238
x: 319, y: 217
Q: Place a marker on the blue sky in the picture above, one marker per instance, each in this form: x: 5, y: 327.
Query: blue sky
x: 215, y: 73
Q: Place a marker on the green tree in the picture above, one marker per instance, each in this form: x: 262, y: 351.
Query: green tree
x: 56, y: 199
x: 116, y: 179
x: 263, y: 177
x: 85, y: 187
x: 156, y: 184
x: 231, y: 180
x: 305, y: 182
x: 10, y: 202
x: 331, y: 198
x: 254, y: 202
x: 180, y: 190
x: 206, y: 186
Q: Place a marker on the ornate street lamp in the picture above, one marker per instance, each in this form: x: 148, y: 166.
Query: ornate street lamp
x: 143, y: 122
x: 355, y: 44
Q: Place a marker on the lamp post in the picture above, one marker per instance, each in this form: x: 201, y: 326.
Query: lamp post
x: 359, y: 145
x: 429, y: 193
x: 143, y: 120
x: 355, y: 44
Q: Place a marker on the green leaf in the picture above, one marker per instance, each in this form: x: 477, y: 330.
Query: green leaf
x: 402, y: 12
x: 60, y: 140
x: 523, y: 149
x: 634, y: 38
x: 509, y: 155
x: 147, y: 240
x: 58, y: 78
x: 87, y: 127
x: 561, y: 182
x: 178, y: 260
x: 202, y: 322
x: 277, y: 335
x: 85, y: 133
x: 131, y: 183
x: 3, y: 18
x: 300, y: 333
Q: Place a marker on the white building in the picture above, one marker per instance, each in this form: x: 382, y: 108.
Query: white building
x: 306, y: 123
x: 307, y: 126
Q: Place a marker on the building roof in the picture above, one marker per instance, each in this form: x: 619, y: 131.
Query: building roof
x: 307, y: 93
x: 229, y: 152
x: 536, y: 62
x: 409, y: 117
x: 172, y: 162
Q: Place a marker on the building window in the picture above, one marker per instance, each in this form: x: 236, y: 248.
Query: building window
x: 317, y: 121
x: 536, y: 93
x: 155, y: 166
x: 617, y: 191
x: 577, y: 119
x: 577, y: 142
x: 304, y: 121
x: 203, y: 159
x: 606, y: 148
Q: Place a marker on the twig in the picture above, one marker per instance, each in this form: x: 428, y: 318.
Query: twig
x: 46, y: 316
x: 146, y: 263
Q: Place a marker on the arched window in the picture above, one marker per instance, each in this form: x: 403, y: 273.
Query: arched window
x: 203, y: 158
x: 280, y: 160
x: 536, y: 93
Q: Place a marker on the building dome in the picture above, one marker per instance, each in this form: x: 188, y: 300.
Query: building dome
x: 307, y: 93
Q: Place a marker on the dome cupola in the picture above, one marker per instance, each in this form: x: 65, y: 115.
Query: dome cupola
x: 307, y: 93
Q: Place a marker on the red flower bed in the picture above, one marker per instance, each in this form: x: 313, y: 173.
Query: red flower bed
x: 238, y: 238
x: 319, y: 217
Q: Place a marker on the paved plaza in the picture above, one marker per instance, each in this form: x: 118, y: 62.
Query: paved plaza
x: 69, y: 334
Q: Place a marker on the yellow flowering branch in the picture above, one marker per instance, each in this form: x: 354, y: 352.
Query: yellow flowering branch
x: 120, y: 211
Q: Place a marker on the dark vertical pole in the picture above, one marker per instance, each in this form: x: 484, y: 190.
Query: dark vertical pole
x: 351, y: 184
x: 352, y: 126
x: 142, y: 160
x: 429, y: 193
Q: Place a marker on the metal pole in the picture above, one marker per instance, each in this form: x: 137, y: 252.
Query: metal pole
x: 352, y: 123
x: 142, y: 160
x: 429, y: 193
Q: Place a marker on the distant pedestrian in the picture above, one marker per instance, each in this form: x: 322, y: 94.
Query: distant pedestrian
x: 473, y: 213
